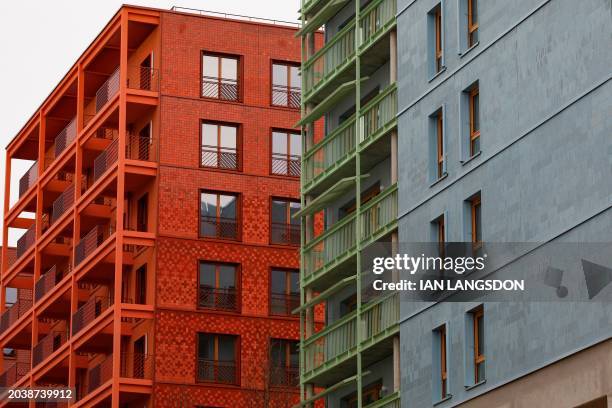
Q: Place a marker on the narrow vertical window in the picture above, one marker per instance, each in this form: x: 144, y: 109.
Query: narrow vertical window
x: 479, y: 345
x: 441, y: 230
x: 440, y: 143
x: 219, y: 215
x: 437, y: 15
x: 472, y: 22
x: 440, y: 363
x: 284, y: 292
x: 474, y: 121
x: 286, y: 85
x: 284, y: 363
x: 286, y: 153
x: 142, y: 213
x: 476, y: 222
x: 443, y: 367
x: 220, y: 146
x: 220, y: 77
x: 284, y: 228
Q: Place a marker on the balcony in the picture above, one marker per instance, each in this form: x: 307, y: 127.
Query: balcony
x: 108, y: 89
x: 143, y: 78
x: 225, y: 299
x: 14, y: 373
x: 379, y: 216
x: 98, y: 375
x: 331, y: 346
x: 286, y: 96
x: 48, y: 281
x: 217, y: 371
x: 65, y: 137
x: 89, y: 312
x: 139, y: 147
x: 13, y: 313
x: 106, y: 159
x: 62, y: 203
x: 284, y: 376
x: 219, y: 157
x: 28, y: 179
x: 390, y: 401
x: 90, y: 242
x: 137, y: 365
x: 224, y: 89
x: 48, y: 345
x: 282, y: 304
x: 379, y: 115
x: 380, y: 317
x: 284, y: 234
x: 375, y: 20
x: 26, y: 241
x: 286, y: 165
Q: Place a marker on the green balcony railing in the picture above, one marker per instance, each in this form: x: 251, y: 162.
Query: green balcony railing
x: 329, y: 153
x: 379, y: 115
x: 375, y: 19
x: 309, y: 4
x: 331, y: 246
x: 380, y: 316
x: 379, y: 215
x: 390, y: 401
x: 331, y: 58
x: 335, y: 341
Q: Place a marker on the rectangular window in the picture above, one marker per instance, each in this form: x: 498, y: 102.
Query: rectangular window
x: 472, y: 23
x: 220, y: 146
x: 219, y: 215
x: 437, y: 15
x: 141, y: 285
x: 479, y: 344
x: 440, y: 227
x: 217, y: 358
x: 284, y: 228
x: 284, y: 363
x: 474, y: 121
x: 440, y: 355
x: 286, y: 85
x: 476, y: 222
x: 437, y: 139
x: 217, y: 287
x: 284, y: 291
x: 220, y: 77
x: 142, y: 213
x: 286, y: 153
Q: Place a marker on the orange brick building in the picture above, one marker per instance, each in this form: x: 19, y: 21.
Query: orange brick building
x: 160, y: 267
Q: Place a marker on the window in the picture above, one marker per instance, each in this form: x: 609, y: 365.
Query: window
x: 284, y: 363
x: 217, y: 288
x: 435, y: 29
x: 141, y: 285
x: 142, y: 213
x: 220, y: 77
x: 369, y: 395
x: 476, y: 222
x: 474, y: 121
x: 284, y: 228
x: 348, y: 305
x: 437, y: 142
x: 440, y: 234
x: 220, y: 146
x: 472, y: 23
x: 286, y: 153
x: 479, y: 345
x: 286, y: 85
x: 440, y: 359
x: 217, y: 358
x: 219, y: 215
x: 284, y: 291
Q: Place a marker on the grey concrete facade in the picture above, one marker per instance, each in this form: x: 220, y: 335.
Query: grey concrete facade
x: 544, y: 173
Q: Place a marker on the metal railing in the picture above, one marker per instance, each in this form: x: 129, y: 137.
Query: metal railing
x: 218, y: 227
x: 333, y: 149
x: 106, y: 159
x: 14, y: 373
x: 389, y: 401
x: 331, y: 58
x: 99, y: 374
x: 282, y: 304
x: 286, y: 96
x: 14, y: 312
x: 284, y: 234
x: 92, y: 240
x: 65, y: 137
x: 48, y: 345
x: 335, y: 340
x: 26, y: 241
x: 62, y: 203
x: 219, y: 157
x: 139, y: 147
x: 234, y: 16
x: 108, y: 89
x: 379, y: 213
x: 218, y: 298
x: 137, y: 365
x: 89, y: 312
x: 28, y: 179
x: 380, y: 316
x: 218, y: 371
x: 283, y: 376
x: 379, y: 113
x: 286, y: 165
x: 48, y: 281
x: 374, y: 18
x: 143, y: 78
x: 331, y: 246
x: 220, y: 88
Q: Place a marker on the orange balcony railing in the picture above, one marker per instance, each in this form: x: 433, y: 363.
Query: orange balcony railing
x: 286, y: 96
x: 14, y: 312
x: 26, y: 241
x: 218, y: 298
x: 144, y: 78
x: 285, y: 234
x: 137, y: 365
x: 108, y: 89
x: 28, y: 179
x: 220, y: 88
x: 90, y: 242
x: 139, y: 147
x: 286, y: 165
x: 65, y: 137
x: 284, y: 376
x: 14, y: 373
x: 62, y: 203
x: 217, y: 371
x: 89, y: 312
x: 48, y: 281
x: 99, y: 374
x: 222, y: 227
x: 106, y: 159
x: 282, y: 304
x: 49, y: 344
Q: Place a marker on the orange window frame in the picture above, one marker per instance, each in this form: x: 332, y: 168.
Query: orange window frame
x: 438, y: 33
x: 474, y: 133
x: 220, y: 77
x: 443, y: 365
x: 475, y: 204
x: 287, y: 154
x: 472, y: 25
x: 289, y: 85
x: 218, y: 217
x: 440, y: 141
x: 218, y: 147
x: 478, y: 357
x: 441, y: 234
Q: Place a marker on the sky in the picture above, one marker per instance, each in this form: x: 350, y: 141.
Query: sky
x: 40, y: 40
